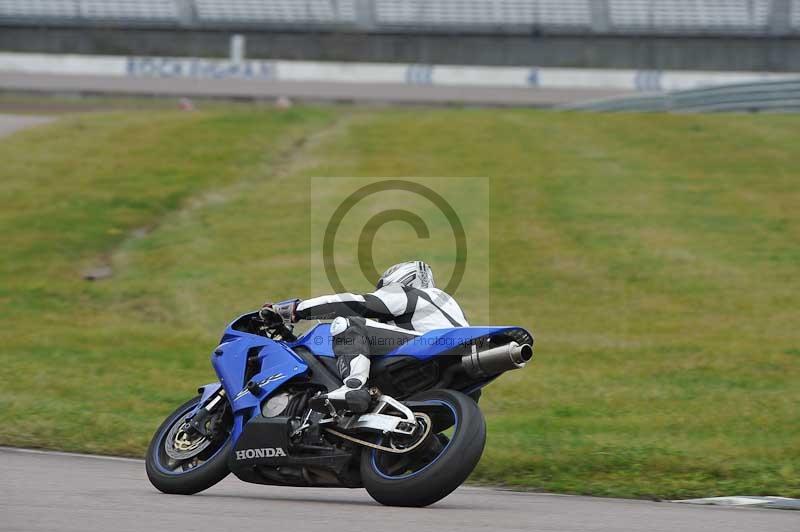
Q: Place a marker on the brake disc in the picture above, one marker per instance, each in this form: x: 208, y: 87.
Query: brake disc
x: 180, y: 444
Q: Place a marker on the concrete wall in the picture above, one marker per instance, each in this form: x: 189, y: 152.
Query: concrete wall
x: 777, y: 54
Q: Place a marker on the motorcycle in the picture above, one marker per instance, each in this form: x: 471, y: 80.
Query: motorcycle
x: 418, y: 440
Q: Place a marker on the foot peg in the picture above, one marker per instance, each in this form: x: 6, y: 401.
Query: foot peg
x: 320, y: 404
x: 356, y: 401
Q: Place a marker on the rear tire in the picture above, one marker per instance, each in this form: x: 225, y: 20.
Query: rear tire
x: 457, y: 457
x: 192, y: 481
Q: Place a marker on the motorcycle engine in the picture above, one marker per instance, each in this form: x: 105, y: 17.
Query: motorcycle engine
x: 275, y: 405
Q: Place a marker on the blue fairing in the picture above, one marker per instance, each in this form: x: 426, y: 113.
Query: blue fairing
x: 317, y: 340
x: 441, y: 341
x: 434, y: 343
x: 277, y: 363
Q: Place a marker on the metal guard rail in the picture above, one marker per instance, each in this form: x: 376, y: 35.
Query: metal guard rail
x: 764, y: 96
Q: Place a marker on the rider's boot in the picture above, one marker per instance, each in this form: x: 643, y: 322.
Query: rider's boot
x: 353, y: 395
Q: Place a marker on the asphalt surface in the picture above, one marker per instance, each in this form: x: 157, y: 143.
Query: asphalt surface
x: 56, y: 491
x: 305, y: 91
x: 11, y: 123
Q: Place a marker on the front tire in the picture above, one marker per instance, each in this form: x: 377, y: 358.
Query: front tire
x: 207, y: 467
x: 441, y: 467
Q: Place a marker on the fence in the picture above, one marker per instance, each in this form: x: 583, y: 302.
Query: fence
x: 764, y: 96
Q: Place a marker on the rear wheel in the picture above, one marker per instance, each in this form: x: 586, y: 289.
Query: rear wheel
x: 437, y: 467
x: 182, y: 461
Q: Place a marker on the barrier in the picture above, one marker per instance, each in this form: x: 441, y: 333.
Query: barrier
x: 762, y: 96
x: 397, y: 73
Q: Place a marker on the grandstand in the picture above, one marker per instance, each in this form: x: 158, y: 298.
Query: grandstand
x: 671, y: 17
x: 730, y: 35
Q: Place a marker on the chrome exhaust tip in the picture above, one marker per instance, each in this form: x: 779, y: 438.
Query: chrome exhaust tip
x: 522, y: 353
x: 497, y: 359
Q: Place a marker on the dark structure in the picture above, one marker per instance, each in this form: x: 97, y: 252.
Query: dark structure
x: 758, y: 35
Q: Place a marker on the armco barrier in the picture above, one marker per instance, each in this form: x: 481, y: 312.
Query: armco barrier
x: 762, y: 96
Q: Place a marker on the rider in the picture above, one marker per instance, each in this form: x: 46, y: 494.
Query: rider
x: 405, y: 304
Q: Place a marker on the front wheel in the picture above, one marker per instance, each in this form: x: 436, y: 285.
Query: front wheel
x: 437, y: 467
x: 185, y: 462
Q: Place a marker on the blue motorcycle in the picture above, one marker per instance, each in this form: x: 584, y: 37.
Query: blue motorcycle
x: 420, y: 438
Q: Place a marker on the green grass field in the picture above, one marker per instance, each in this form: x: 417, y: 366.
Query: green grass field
x: 656, y: 258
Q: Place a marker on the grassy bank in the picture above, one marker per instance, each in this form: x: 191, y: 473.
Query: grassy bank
x: 656, y: 258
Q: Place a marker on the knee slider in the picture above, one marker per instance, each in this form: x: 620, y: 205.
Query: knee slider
x: 339, y: 325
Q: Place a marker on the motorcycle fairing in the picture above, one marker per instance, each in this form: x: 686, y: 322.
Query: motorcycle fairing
x: 443, y: 341
x: 277, y: 364
x: 318, y: 340
x: 429, y: 345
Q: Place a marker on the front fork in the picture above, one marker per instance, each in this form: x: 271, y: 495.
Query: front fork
x: 211, y: 399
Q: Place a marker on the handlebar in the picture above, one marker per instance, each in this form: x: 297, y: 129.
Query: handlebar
x: 273, y: 330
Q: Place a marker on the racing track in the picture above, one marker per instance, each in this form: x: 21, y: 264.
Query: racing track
x: 379, y: 93
x: 11, y: 123
x: 56, y: 491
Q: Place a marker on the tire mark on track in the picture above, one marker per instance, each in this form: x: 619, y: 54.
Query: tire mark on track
x: 290, y: 159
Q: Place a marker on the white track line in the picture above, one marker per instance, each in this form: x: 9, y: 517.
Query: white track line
x: 743, y: 501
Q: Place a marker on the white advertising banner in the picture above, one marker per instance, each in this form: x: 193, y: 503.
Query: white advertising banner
x: 412, y: 74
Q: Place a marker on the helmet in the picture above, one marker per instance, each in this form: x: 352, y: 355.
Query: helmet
x: 414, y: 274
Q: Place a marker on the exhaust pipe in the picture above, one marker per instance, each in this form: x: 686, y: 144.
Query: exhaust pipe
x: 497, y: 359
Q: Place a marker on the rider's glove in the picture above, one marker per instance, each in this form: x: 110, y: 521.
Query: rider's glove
x: 285, y: 309
x: 269, y: 316
x: 276, y: 313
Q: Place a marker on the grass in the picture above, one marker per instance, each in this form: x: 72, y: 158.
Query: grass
x: 655, y: 257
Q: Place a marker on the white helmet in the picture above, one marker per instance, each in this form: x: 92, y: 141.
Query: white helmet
x: 414, y: 274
